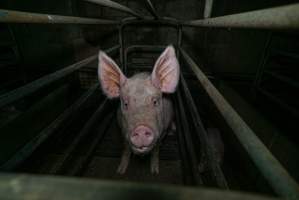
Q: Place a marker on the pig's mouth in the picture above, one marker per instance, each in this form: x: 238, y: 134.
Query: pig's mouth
x: 142, y: 139
x: 142, y: 150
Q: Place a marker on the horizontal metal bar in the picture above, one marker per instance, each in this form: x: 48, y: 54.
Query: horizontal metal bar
x: 26, y: 187
x: 280, y: 18
x: 152, y: 9
x: 46, y: 80
x: 12, y: 16
x: 165, y: 21
x: 31, y: 146
x: 117, y: 6
x: 272, y: 170
x: 285, y: 79
x: 145, y: 48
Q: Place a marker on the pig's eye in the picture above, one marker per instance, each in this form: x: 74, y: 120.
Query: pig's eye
x: 155, y: 101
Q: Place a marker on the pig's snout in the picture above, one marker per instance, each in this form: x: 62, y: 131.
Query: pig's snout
x: 142, y: 138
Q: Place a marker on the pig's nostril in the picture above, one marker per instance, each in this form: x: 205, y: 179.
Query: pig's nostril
x: 142, y: 136
x: 148, y: 134
x: 135, y: 134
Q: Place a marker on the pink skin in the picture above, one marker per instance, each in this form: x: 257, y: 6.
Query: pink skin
x: 142, y: 138
x: 145, y: 112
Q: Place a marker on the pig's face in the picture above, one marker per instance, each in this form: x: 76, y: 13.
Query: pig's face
x: 141, y: 97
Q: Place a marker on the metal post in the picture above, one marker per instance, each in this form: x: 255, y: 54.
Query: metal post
x: 46, y: 80
x: 269, y: 166
x: 280, y: 18
x: 12, y: 16
x: 152, y: 9
x: 208, y: 8
x: 117, y: 6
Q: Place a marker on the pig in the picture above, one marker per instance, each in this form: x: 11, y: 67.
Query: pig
x: 145, y: 114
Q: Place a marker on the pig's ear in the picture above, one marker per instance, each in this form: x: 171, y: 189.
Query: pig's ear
x: 110, y: 76
x: 166, y: 72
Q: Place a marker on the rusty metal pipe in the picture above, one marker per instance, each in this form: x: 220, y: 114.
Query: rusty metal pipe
x: 280, y: 18
x: 13, y: 16
x: 272, y: 170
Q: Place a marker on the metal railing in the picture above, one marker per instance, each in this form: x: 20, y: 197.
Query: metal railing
x: 12, y: 16
x: 284, y: 18
x: 46, y: 80
x: 279, y: 18
x: 272, y: 170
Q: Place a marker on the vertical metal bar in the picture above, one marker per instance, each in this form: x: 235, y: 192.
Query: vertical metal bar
x: 121, y: 49
x: 272, y: 170
x: 117, y: 6
x: 152, y: 9
x: 179, y: 40
x: 208, y: 8
x: 12, y: 16
x: 263, y: 61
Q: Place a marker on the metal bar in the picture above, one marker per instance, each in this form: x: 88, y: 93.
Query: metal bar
x: 272, y: 170
x: 60, y: 121
x: 21, y: 186
x: 59, y: 168
x: 186, y: 136
x: 208, y: 8
x: 206, y: 151
x: 165, y: 21
x: 263, y: 60
x: 152, y: 9
x: 283, y: 78
x: 117, y: 6
x: 143, y: 48
x: 121, y: 49
x: 184, y: 156
x: 101, y: 130
x: 12, y: 16
x: 278, y: 18
x: 46, y: 80
x: 280, y: 102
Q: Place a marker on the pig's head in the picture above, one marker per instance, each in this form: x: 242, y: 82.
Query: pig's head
x: 141, y: 97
